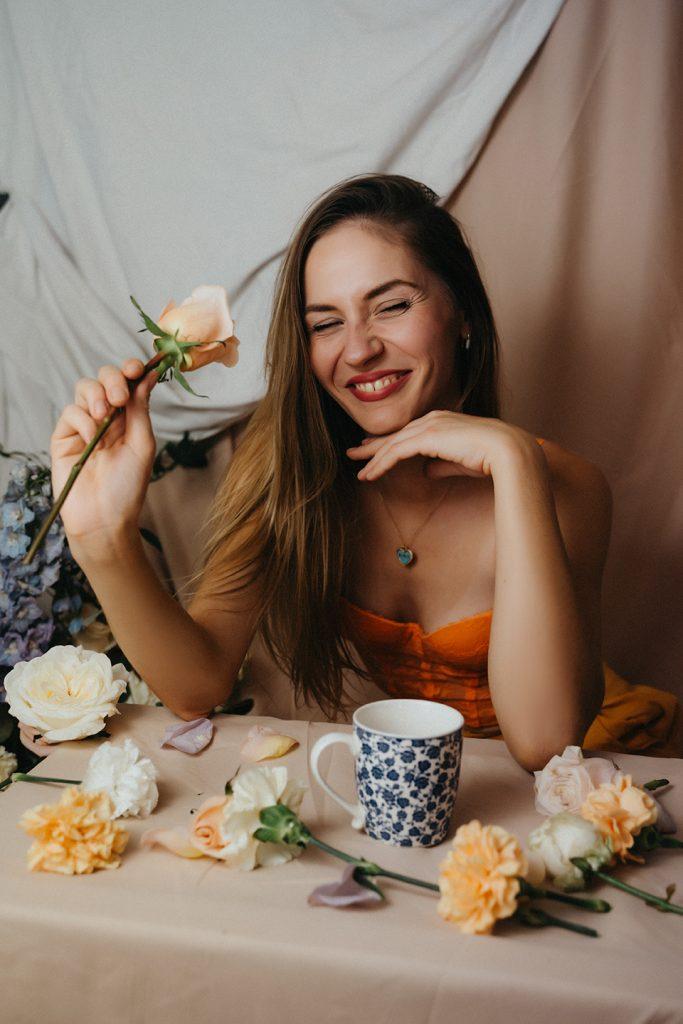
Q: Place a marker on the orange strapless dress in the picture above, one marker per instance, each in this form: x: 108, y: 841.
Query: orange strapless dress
x: 450, y: 665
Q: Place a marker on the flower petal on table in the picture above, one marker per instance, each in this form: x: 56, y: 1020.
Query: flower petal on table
x: 190, y: 737
x: 343, y: 893
x: 171, y: 839
x: 262, y: 743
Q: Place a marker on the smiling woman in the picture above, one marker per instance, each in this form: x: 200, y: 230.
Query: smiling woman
x: 380, y: 517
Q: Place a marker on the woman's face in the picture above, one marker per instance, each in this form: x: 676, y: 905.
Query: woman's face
x: 382, y: 329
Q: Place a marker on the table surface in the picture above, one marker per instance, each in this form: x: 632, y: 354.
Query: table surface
x: 173, y: 939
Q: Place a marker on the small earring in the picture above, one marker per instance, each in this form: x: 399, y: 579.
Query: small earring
x: 467, y: 341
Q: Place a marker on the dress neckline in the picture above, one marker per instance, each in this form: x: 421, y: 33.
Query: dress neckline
x: 416, y: 625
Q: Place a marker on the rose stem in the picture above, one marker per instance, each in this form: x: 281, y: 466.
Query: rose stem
x: 21, y: 777
x: 377, y: 871
x: 77, y: 466
x: 673, y: 908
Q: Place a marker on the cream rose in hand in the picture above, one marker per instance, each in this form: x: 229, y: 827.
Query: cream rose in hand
x: 204, y: 317
x: 567, y: 779
x: 66, y: 693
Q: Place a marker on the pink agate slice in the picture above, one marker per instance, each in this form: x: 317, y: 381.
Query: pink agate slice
x: 190, y: 737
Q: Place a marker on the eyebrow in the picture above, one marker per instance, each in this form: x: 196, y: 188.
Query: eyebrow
x: 372, y: 294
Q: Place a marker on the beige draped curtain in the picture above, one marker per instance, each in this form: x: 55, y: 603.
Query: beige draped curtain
x: 573, y: 209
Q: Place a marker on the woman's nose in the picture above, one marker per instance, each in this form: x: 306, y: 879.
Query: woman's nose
x: 362, y: 344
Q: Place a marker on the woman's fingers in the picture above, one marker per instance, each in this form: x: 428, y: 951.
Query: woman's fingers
x: 74, y: 423
x: 27, y: 735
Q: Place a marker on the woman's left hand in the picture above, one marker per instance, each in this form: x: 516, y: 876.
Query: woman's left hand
x: 459, y: 444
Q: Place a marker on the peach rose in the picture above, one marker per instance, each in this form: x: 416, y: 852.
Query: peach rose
x: 619, y: 810
x: 204, y: 317
x: 75, y: 836
x: 202, y: 840
x: 205, y: 834
x: 479, y: 879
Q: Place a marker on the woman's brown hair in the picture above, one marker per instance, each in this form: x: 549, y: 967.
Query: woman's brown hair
x: 281, y: 516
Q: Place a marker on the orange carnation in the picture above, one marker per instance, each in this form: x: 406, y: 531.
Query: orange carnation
x: 75, y: 836
x: 479, y: 879
x: 619, y: 810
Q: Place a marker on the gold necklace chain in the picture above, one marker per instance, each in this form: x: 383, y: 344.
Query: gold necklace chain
x: 405, y: 553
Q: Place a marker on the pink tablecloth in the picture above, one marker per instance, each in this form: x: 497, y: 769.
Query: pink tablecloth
x: 165, y: 939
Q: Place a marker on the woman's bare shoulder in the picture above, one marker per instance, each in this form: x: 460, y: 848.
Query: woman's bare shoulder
x: 583, y: 499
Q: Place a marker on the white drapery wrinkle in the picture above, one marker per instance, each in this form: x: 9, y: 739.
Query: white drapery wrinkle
x: 148, y: 148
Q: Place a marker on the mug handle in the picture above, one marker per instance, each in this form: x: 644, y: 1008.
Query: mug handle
x: 357, y: 811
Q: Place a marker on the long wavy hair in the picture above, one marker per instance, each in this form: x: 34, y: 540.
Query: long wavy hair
x: 282, y: 514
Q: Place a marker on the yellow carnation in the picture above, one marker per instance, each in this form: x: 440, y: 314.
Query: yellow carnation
x: 75, y: 836
x: 479, y: 879
x: 619, y: 810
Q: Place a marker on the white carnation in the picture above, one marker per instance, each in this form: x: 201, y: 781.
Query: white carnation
x: 565, y: 836
x: 66, y: 693
x: 8, y: 764
x: 128, y: 778
x: 251, y: 793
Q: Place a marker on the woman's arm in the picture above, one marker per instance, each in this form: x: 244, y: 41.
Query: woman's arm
x: 189, y: 659
x: 544, y: 663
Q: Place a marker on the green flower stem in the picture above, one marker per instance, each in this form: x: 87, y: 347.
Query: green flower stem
x: 670, y: 842
x: 534, y: 917
x: 534, y: 892
x: 21, y: 777
x: 656, y: 784
x: 78, y: 466
x: 368, y: 867
x: 649, y: 897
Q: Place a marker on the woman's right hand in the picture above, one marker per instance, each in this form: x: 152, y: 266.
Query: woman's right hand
x: 110, y: 489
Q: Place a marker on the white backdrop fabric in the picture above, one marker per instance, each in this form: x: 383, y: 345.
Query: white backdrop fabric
x: 151, y: 146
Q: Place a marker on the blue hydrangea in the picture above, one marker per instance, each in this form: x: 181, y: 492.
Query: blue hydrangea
x: 13, y: 543
x: 16, y: 647
x: 16, y: 514
x: 27, y: 628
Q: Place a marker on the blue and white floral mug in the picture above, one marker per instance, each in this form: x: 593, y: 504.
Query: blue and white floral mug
x: 407, y: 755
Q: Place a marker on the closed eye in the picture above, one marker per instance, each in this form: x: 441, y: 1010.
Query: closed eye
x: 319, y: 328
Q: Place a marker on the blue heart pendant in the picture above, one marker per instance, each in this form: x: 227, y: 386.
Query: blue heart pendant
x: 404, y: 555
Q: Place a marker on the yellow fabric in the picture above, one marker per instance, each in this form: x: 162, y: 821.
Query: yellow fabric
x: 636, y: 719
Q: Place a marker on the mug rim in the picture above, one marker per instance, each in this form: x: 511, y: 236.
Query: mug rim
x: 408, y: 736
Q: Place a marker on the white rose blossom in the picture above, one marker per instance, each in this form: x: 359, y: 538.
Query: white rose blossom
x: 562, y: 837
x: 8, y: 764
x: 567, y: 779
x: 251, y: 793
x: 128, y: 778
x: 66, y: 693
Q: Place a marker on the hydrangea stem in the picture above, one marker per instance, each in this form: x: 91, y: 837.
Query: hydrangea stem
x: 78, y: 466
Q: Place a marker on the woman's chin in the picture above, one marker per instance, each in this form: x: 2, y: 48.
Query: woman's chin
x: 382, y: 422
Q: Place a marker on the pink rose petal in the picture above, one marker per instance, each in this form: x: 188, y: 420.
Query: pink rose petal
x: 190, y: 737
x: 175, y: 841
x: 344, y: 893
x: 262, y: 742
